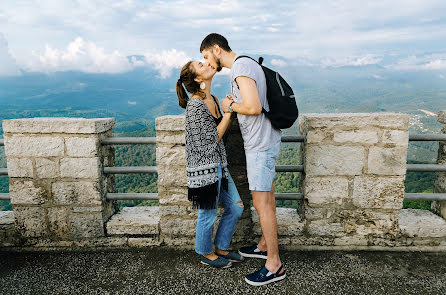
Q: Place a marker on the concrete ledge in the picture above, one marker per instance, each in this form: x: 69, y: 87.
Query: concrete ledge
x: 58, y: 125
x: 135, y: 221
x: 421, y: 223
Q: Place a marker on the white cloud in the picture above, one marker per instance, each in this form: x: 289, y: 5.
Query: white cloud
x: 441, y: 76
x: 426, y: 62
x: 79, y: 56
x: 369, y: 59
x: 8, y: 66
x: 166, y: 61
x: 378, y: 77
x: 278, y: 62
x: 131, y: 102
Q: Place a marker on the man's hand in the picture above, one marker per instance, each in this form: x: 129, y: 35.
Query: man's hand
x: 226, y: 102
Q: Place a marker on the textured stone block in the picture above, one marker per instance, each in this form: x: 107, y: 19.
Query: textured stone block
x: 318, y: 213
x: 363, y: 137
x: 80, y: 167
x: 27, y: 193
x: 172, y: 195
x: 36, y: 146
x: 167, y: 176
x: 334, y: 160
x: 30, y: 221
x: 58, y: 125
x: 6, y: 217
x: 442, y: 117
x: 317, y: 136
x: 171, y: 137
x: 135, y: 221
x: 289, y: 222
x: 143, y: 242
x: 58, y: 221
x: 82, y: 146
x: 369, y: 221
x: 170, y: 123
x: 20, y: 167
x: 171, y: 155
x: 421, y: 223
x: 83, y: 192
x: 325, y: 228
x: 178, y: 226
x: 378, y: 192
x: 86, y: 225
x: 397, y: 137
x: 326, y: 190
x: 46, y: 168
x: 387, y: 161
x: 354, y: 121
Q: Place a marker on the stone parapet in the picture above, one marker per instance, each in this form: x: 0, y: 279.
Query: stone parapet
x: 355, y: 165
x: 57, y: 185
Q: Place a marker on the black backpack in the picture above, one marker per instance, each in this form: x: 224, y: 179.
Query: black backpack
x: 283, y: 110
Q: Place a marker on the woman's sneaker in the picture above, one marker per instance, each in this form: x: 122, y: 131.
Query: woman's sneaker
x: 220, y: 262
x: 232, y: 256
x: 263, y: 276
x: 252, y: 252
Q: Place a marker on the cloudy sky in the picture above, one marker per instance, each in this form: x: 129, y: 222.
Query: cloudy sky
x: 96, y: 36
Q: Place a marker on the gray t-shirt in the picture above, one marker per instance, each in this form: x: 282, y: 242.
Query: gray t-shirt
x: 257, y: 132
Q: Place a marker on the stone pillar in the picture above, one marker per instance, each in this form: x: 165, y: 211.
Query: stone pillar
x: 440, y: 177
x: 355, y: 166
x: 57, y: 185
x: 177, y: 219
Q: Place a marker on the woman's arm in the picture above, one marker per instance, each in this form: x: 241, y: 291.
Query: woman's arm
x: 224, y: 124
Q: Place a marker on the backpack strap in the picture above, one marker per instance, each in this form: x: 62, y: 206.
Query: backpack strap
x: 260, y: 64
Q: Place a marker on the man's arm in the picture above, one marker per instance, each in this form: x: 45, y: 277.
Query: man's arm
x: 250, y: 98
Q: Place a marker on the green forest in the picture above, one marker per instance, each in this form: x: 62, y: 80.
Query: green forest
x: 285, y: 182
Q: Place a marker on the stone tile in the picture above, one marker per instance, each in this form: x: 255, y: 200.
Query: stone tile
x: 135, y: 221
x: 387, y: 161
x: 30, y: 221
x: 27, y: 193
x: 82, y: 146
x: 80, y: 167
x: 19, y: 167
x: 326, y: 190
x: 35, y: 146
x: 334, y: 160
x: 46, y: 168
x: 378, y: 192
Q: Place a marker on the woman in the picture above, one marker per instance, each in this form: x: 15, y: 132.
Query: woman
x: 208, y: 178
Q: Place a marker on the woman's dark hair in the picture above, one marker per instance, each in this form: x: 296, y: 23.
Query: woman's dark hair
x: 215, y: 39
x: 187, y: 78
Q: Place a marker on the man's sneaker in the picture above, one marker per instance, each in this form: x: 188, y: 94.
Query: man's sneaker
x: 253, y: 252
x: 220, y: 262
x: 232, y: 256
x: 263, y: 277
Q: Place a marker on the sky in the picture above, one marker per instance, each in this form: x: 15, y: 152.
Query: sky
x: 97, y: 36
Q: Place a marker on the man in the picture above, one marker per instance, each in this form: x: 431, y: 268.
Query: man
x: 262, y: 146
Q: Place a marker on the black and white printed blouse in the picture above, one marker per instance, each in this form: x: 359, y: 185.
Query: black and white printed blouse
x: 203, y: 155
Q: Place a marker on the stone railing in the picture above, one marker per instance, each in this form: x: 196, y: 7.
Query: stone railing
x: 353, y: 185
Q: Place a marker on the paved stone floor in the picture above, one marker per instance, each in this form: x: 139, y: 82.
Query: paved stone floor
x: 161, y: 271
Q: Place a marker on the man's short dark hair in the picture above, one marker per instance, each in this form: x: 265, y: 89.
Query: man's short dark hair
x: 214, y: 39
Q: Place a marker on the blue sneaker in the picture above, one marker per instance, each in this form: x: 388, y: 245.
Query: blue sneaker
x: 232, y: 256
x: 252, y: 252
x: 220, y: 262
x: 264, y: 276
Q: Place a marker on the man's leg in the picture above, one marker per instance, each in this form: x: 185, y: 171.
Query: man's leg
x: 262, y: 243
x: 264, y: 203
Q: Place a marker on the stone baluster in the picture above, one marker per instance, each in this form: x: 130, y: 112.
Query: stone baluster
x: 440, y: 177
x: 57, y: 185
x: 355, y: 166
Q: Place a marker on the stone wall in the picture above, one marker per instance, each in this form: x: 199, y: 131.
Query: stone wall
x: 57, y: 186
x: 353, y: 186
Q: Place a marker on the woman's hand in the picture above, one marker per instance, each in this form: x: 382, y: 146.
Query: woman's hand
x: 226, y: 102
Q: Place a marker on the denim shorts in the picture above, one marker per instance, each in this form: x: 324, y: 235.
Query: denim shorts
x: 261, y: 168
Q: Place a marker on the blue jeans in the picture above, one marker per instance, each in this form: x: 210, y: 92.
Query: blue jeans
x: 228, y: 221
